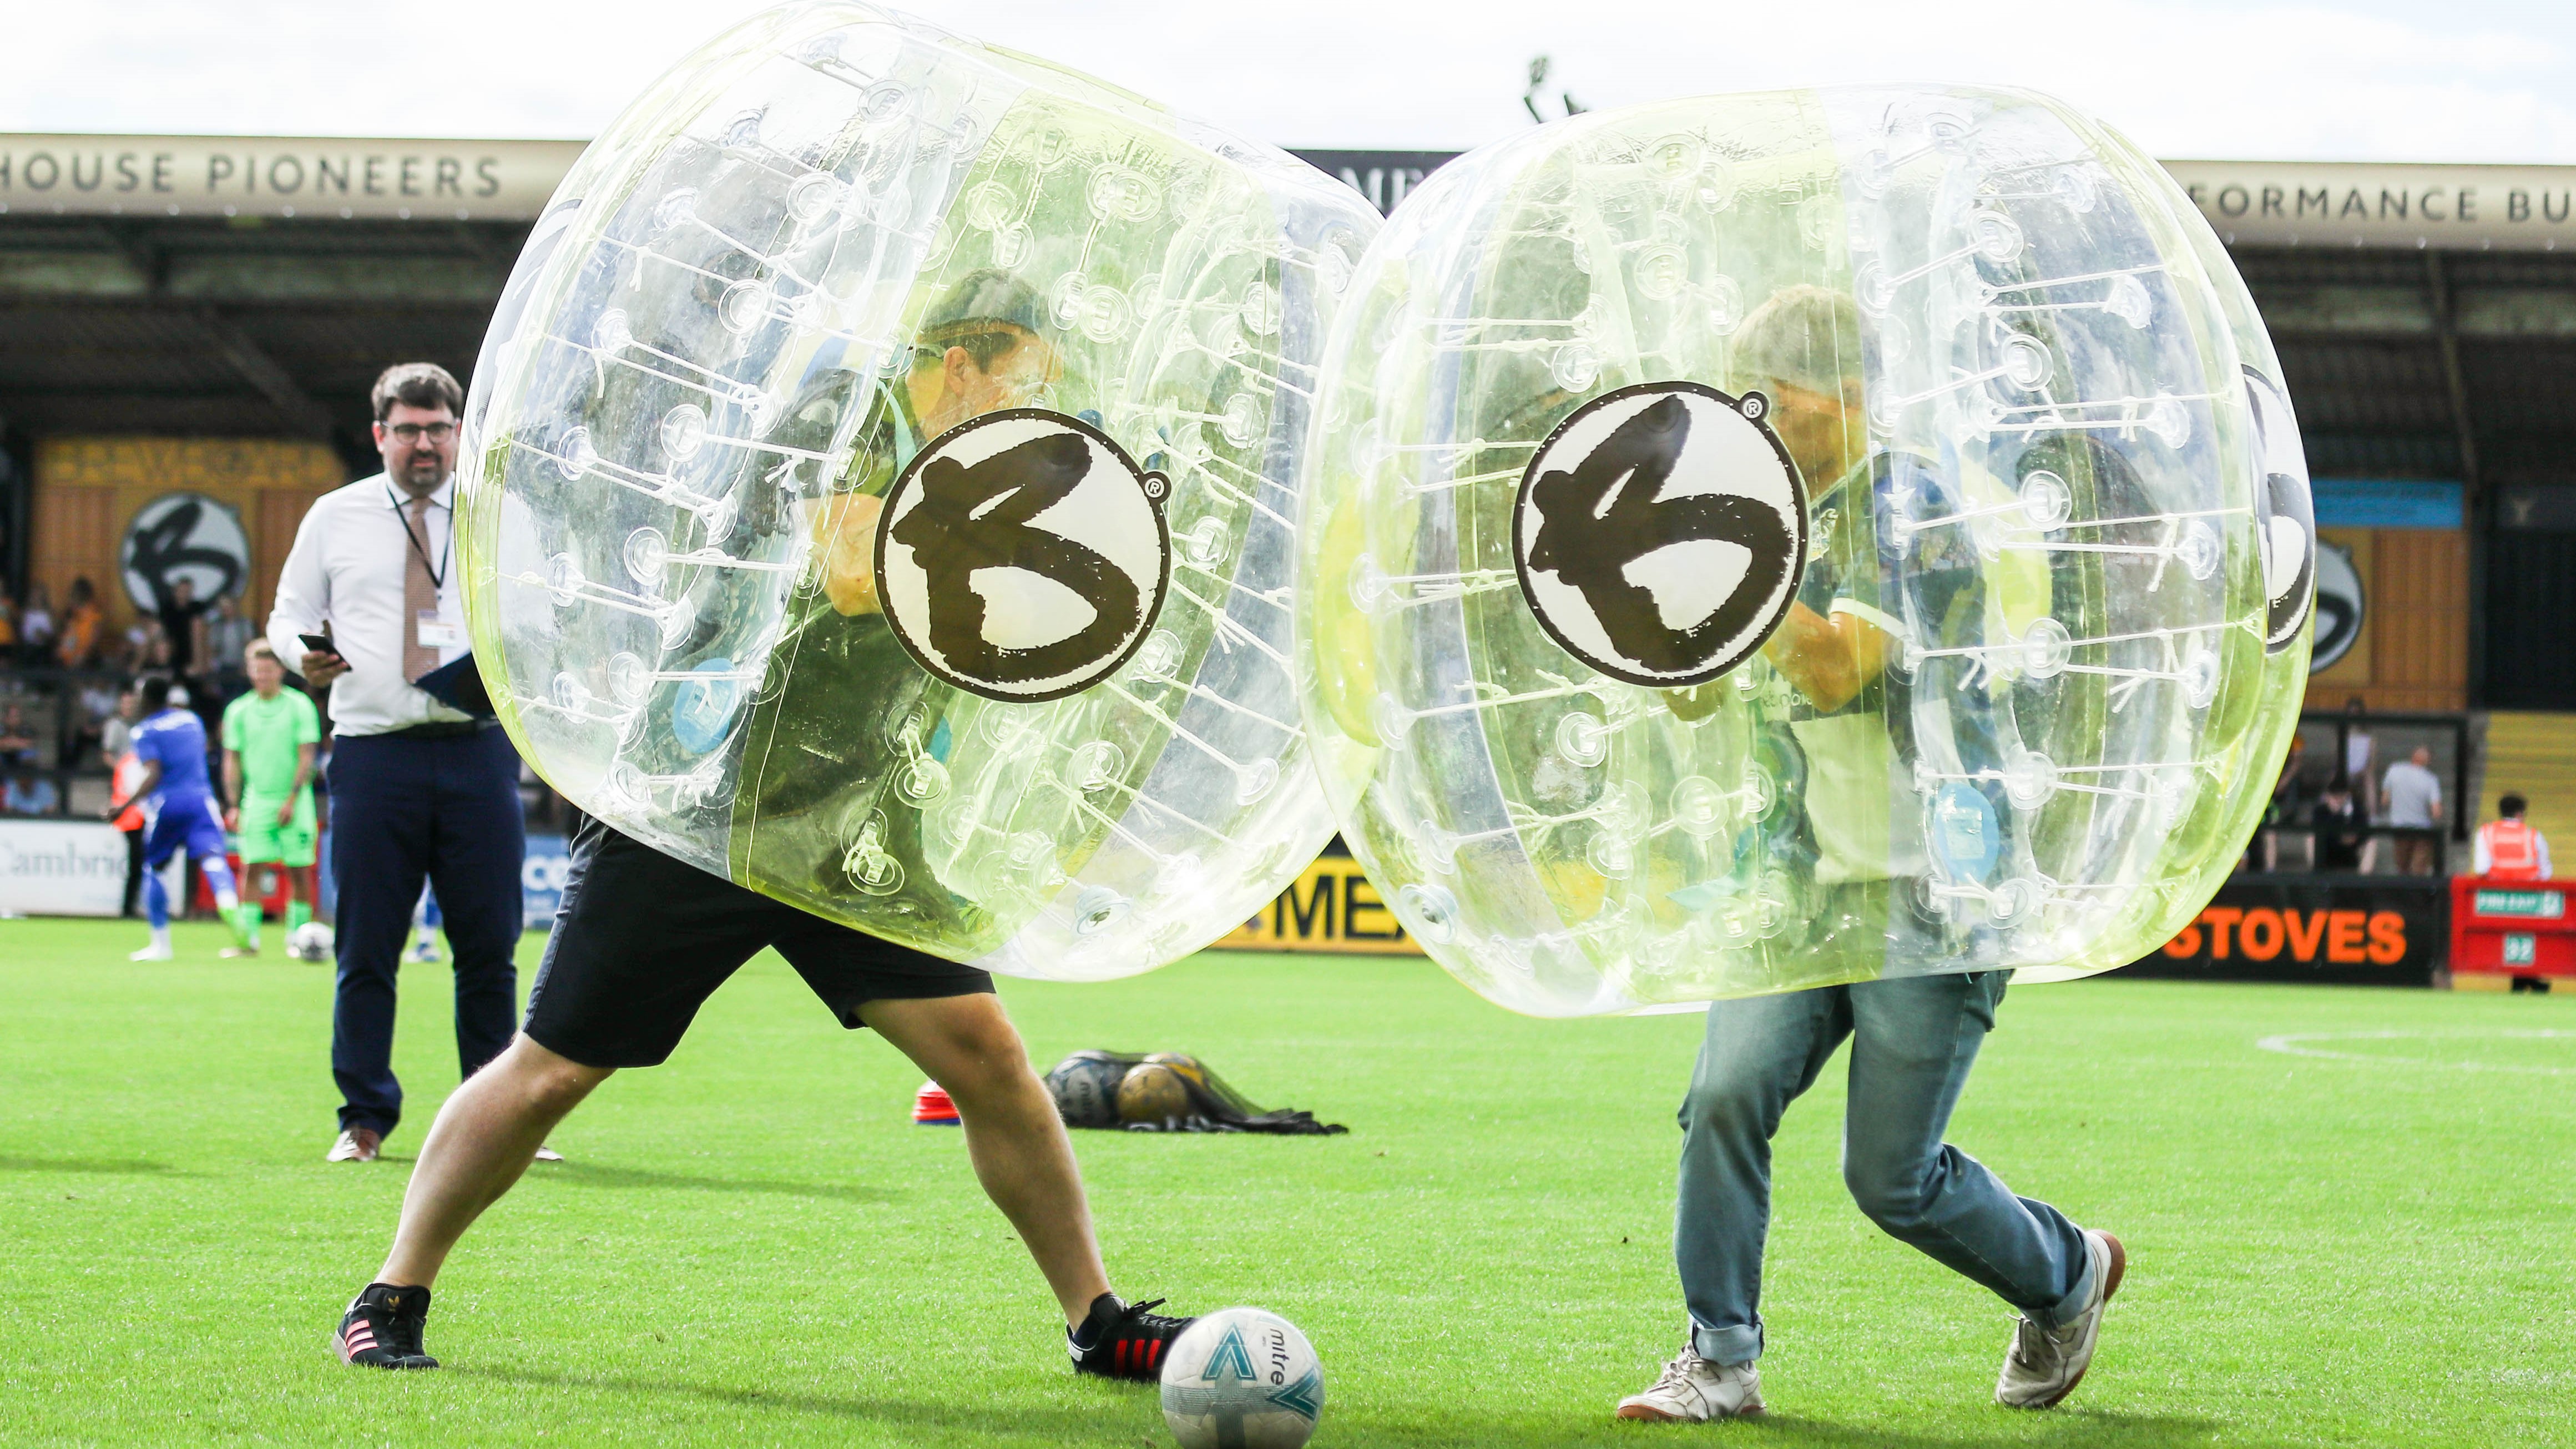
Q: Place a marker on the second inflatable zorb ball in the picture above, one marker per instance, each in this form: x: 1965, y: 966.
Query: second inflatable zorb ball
x: 878, y: 489
x: 1765, y: 541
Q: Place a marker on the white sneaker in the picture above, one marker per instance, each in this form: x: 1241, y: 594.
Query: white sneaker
x: 548, y: 1154
x: 1694, y: 1391
x: 2044, y: 1365
x: 157, y: 951
x: 357, y: 1144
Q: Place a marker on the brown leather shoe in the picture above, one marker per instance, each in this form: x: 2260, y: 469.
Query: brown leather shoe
x: 358, y: 1144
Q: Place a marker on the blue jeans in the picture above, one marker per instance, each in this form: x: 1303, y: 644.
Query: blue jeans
x: 1913, y: 1041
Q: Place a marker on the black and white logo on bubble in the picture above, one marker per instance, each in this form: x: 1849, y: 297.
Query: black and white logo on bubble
x: 1659, y: 532
x: 1023, y: 555
x: 2284, y: 518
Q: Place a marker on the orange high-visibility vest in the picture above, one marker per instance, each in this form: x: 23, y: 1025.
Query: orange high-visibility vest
x: 2513, y: 850
x: 129, y: 773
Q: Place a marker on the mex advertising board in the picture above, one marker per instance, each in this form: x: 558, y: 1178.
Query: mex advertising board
x: 1332, y: 906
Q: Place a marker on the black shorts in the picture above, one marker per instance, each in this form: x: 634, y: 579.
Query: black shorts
x: 643, y: 940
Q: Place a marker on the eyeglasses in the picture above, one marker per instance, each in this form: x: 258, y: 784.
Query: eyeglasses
x: 413, y: 433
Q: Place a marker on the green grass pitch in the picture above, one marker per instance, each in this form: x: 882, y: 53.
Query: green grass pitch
x: 753, y: 1246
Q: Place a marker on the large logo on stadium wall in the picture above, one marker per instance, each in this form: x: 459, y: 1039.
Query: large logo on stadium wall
x: 1023, y: 555
x: 2285, y: 519
x: 1658, y: 532
x: 2340, y: 607
x: 183, y: 536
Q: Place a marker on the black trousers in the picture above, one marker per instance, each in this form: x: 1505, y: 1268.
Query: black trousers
x: 133, y: 873
x: 405, y: 810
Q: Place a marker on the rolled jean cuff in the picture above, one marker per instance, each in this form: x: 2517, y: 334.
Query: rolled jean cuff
x: 1738, y: 1345
x: 2071, y: 1307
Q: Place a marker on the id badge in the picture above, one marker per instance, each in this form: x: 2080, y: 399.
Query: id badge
x: 437, y: 633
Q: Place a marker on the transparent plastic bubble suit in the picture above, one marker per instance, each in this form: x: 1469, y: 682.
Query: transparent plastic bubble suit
x: 879, y: 484
x: 1765, y: 541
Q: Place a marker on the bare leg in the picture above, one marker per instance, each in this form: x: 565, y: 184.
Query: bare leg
x: 484, y: 1137
x: 1021, y: 1154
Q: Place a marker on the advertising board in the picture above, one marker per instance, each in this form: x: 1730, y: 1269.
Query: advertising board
x: 61, y: 868
x: 2355, y: 930
x: 1331, y: 907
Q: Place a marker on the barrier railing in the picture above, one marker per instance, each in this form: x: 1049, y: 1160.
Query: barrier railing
x: 60, y: 717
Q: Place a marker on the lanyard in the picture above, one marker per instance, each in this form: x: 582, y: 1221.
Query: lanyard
x: 438, y: 573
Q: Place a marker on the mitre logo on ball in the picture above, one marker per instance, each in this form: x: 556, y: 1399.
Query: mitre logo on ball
x: 1023, y: 555
x: 1658, y: 532
x: 1242, y: 1378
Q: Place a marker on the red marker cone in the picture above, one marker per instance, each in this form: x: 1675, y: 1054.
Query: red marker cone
x: 931, y: 1107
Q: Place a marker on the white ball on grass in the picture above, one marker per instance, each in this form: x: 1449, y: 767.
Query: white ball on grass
x: 1242, y: 1378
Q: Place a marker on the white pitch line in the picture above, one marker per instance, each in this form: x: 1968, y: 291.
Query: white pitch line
x: 2288, y: 1044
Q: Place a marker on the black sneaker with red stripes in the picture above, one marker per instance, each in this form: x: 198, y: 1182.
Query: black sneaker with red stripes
x: 1123, y: 1340
x: 382, y: 1329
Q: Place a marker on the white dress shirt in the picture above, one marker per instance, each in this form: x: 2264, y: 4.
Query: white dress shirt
x: 347, y: 567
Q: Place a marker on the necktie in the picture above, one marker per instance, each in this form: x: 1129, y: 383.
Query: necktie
x: 420, y: 591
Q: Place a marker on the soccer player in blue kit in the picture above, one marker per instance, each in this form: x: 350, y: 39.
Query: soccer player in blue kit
x: 171, y: 743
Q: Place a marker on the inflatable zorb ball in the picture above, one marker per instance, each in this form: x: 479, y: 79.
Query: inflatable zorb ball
x: 1766, y: 541
x: 879, y: 484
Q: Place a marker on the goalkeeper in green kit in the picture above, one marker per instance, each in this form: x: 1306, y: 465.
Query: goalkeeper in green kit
x: 270, y: 736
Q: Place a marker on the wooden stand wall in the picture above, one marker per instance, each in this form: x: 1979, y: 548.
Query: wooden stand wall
x: 88, y: 489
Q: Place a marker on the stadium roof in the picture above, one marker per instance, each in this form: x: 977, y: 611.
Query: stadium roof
x: 2426, y: 315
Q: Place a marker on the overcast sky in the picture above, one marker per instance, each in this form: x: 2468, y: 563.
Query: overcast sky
x: 2465, y: 80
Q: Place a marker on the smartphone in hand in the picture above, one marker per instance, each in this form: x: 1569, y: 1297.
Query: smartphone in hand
x: 322, y: 643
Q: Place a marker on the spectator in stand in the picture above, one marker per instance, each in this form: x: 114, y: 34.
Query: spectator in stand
x: 2264, y: 851
x: 8, y: 628
x: 2508, y: 848
x: 17, y: 741
x: 147, y: 649
x: 228, y: 636
x: 2413, y: 796
x: 2360, y: 755
x: 29, y: 793
x: 116, y: 733
x: 77, y: 648
x: 2341, y: 827
x: 98, y: 706
x: 36, y: 629
x: 183, y: 623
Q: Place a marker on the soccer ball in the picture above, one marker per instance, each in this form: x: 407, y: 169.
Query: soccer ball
x: 1242, y: 1377
x: 1153, y: 1094
x: 312, y: 941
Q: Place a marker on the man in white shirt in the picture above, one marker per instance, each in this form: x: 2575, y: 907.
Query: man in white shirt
x: 418, y: 790
x: 2412, y: 795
